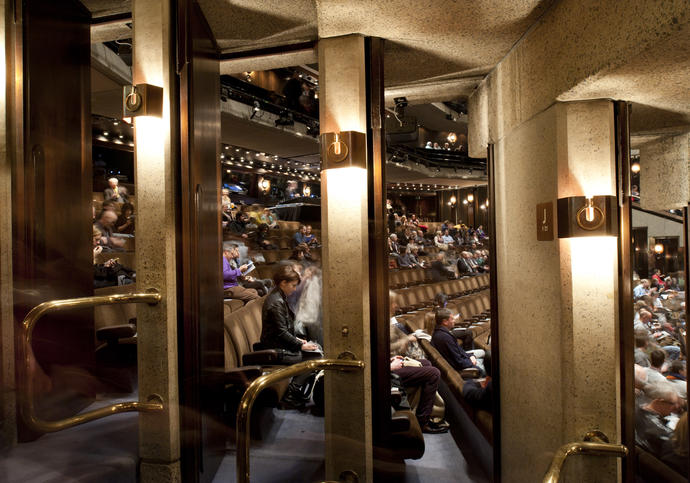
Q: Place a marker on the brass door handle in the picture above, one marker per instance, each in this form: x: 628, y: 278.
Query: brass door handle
x: 595, y: 443
x: 154, y: 403
x: 260, y: 383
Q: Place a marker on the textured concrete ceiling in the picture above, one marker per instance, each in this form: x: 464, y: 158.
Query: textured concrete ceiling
x: 656, y: 81
x: 432, y: 40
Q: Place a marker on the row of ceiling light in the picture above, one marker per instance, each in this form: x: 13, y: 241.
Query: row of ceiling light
x: 265, y: 163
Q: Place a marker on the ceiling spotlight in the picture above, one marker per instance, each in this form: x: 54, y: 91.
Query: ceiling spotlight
x: 116, y: 122
x: 227, y: 147
x: 106, y: 133
x: 121, y: 136
x: 237, y: 150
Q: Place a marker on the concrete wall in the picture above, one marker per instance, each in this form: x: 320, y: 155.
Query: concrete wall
x: 557, y: 299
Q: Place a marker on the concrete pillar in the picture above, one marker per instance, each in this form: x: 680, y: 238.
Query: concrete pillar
x: 345, y: 262
x: 8, y: 412
x: 589, y: 287
x: 478, y: 122
x: 663, y: 160
x: 159, y: 438
x: 557, y: 299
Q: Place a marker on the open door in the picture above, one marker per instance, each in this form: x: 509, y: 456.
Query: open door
x: 201, y: 311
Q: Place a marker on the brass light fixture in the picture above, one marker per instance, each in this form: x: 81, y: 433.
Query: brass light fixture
x: 142, y: 100
x: 343, y: 149
x: 587, y: 216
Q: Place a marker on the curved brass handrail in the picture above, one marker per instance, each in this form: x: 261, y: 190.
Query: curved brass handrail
x: 597, y: 446
x: 259, y: 384
x: 27, y: 407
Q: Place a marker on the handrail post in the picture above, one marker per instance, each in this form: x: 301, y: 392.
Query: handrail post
x: 154, y: 402
x: 596, y: 443
x: 243, y: 437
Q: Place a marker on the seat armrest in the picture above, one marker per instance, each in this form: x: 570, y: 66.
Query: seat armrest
x: 115, y: 332
x: 262, y: 357
x: 470, y: 373
x: 241, y: 375
x: 399, y: 423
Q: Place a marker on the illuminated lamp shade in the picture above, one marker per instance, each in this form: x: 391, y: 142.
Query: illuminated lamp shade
x: 265, y: 185
x: 659, y: 248
x: 580, y: 216
x: 470, y: 197
x: 142, y: 100
x: 482, y: 206
x: 306, y: 191
x: 453, y: 200
x: 464, y: 202
x: 452, y: 137
x: 635, y: 168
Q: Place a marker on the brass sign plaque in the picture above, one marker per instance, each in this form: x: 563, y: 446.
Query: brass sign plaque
x: 545, y: 221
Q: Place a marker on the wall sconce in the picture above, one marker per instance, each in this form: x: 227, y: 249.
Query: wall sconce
x: 306, y: 191
x: 482, y: 206
x: 142, y: 100
x: 452, y: 137
x: 587, y: 216
x: 464, y: 202
x: 659, y: 248
x: 470, y: 198
x: 343, y: 149
x: 265, y: 185
x: 635, y: 168
x: 453, y: 200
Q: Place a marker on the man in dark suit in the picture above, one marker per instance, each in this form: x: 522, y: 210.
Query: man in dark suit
x: 465, y: 267
x: 447, y: 344
x: 114, y: 192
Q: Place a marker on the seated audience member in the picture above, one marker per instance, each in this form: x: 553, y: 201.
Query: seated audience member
x: 641, y: 343
x: 675, y: 451
x: 447, y: 344
x: 641, y: 289
x: 109, y: 205
x: 262, y: 240
x: 416, y: 373
x: 278, y: 331
x: 232, y: 276
x: 409, y: 259
x: 310, y: 238
x: 262, y: 286
x: 125, y: 222
x: 439, y: 270
x: 393, y: 247
x: 299, y: 237
x: 269, y: 218
x: 480, y: 232
x: 651, y: 431
x: 239, y: 225
x: 677, y: 376
x: 301, y: 253
x: 227, y: 217
x: 114, y: 192
x: 225, y: 198
x: 105, y: 224
x: 446, y: 238
x: 479, y: 393
x: 428, y: 145
x: 110, y: 273
x: 658, y: 278
x: 438, y: 241
x: 465, y: 267
x: 656, y: 363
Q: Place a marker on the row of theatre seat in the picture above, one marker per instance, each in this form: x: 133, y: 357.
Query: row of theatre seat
x: 469, y: 297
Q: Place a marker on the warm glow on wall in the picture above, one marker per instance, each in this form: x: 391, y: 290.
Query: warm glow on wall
x: 591, y: 257
x: 346, y: 188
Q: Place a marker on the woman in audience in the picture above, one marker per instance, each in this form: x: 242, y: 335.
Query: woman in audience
x: 125, y: 222
x: 262, y: 239
x: 278, y: 331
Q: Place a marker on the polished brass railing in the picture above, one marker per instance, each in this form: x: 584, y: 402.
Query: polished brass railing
x: 27, y: 408
x: 595, y: 443
x: 245, y: 410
